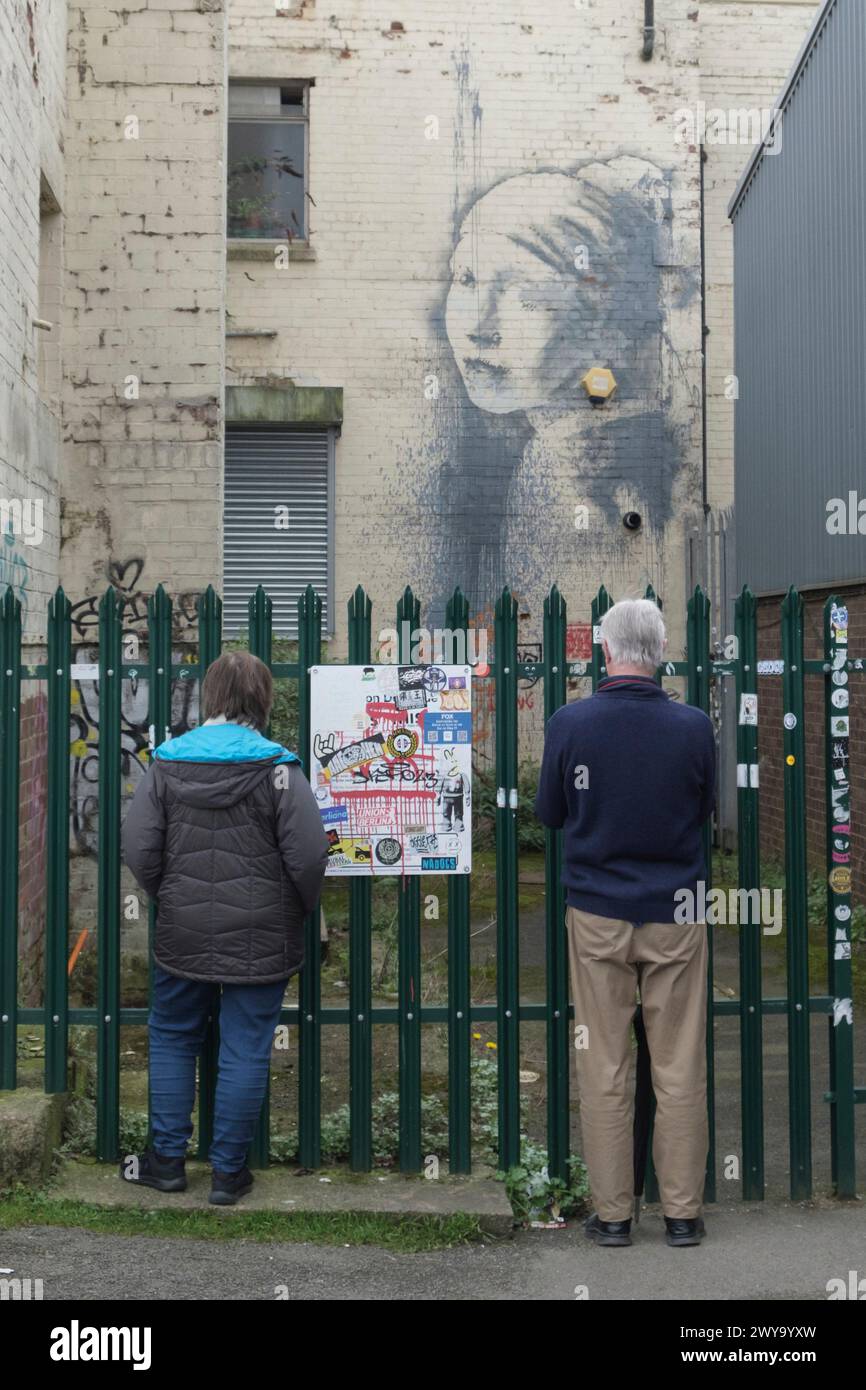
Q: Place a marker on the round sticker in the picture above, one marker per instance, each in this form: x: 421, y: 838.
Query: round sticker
x: 388, y: 851
x: 435, y: 678
x: 840, y: 699
x: 842, y: 912
x: 840, y: 677
x: 790, y: 721
x: 402, y: 743
x: 840, y: 880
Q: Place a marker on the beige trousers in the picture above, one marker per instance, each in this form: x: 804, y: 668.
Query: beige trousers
x: 609, y: 960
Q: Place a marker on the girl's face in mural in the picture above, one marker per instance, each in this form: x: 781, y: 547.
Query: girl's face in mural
x: 511, y: 322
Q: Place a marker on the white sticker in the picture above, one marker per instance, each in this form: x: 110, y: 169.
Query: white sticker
x: 512, y: 799
x: 748, y: 708
x: 839, y: 725
x: 840, y: 699
x: 596, y: 634
x: 742, y: 775
x: 771, y: 668
x: 842, y: 912
x: 753, y: 774
x: 500, y: 796
x: 843, y: 1012
x: 83, y: 671
x: 790, y: 721
x: 842, y: 951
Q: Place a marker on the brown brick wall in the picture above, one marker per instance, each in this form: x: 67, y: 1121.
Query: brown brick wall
x: 32, y: 802
x: 772, y: 812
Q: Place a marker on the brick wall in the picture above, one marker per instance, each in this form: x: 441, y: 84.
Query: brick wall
x: 32, y: 804
x: 32, y: 190
x: 427, y: 126
x: 32, y: 103
x: 772, y: 816
x: 144, y: 298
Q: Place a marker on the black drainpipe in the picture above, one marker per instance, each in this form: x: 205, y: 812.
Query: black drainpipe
x: 649, y: 29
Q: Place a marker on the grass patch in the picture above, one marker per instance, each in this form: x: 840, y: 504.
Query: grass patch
x: 409, y: 1235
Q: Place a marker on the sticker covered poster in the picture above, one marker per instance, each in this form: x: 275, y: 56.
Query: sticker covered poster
x: 391, y: 767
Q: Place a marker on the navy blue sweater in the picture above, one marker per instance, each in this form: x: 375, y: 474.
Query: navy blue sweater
x: 644, y: 766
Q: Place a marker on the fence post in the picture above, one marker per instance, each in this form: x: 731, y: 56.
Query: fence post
x: 699, y: 672
x: 310, y: 987
x: 159, y: 719
x: 409, y: 959
x: 797, y: 921
x: 558, y: 1143
x: 651, y: 1181
x: 260, y: 643
x: 749, y: 860
x: 10, y: 737
x: 108, y: 990
x: 360, y: 966
x: 57, y: 846
x: 210, y: 621
x: 507, y: 943
x: 838, y: 819
x: 459, y: 996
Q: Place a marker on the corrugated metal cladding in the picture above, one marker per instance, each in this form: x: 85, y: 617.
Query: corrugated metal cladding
x: 800, y: 320
x: 266, y: 469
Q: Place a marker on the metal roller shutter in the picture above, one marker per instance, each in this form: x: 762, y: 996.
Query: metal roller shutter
x: 266, y: 469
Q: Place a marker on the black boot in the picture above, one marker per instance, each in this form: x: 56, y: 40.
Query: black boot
x: 608, y: 1232
x: 149, y: 1169
x: 226, y: 1188
x: 683, y: 1232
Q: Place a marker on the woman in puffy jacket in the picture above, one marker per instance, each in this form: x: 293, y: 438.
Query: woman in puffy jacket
x: 224, y: 833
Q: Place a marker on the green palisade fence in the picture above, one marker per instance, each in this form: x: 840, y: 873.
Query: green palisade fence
x: 459, y: 1013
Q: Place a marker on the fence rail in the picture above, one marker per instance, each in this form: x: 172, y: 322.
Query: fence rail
x: 109, y: 1016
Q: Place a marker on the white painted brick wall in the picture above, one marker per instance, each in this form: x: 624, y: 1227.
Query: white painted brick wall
x: 32, y: 101
x: 557, y: 84
x: 144, y: 295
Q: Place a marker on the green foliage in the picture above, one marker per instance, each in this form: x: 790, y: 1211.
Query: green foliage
x: 535, y: 1196
x: 530, y: 831
x: 285, y: 713
x: 409, y: 1234
x: 386, y: 1125
x: 79, y: 1129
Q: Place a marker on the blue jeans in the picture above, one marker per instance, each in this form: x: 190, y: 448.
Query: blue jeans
x: 248, y: 1016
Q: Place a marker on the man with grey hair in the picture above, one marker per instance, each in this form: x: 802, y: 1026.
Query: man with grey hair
x: 629, y: 776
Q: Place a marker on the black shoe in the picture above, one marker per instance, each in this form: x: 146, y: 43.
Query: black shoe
x: 226, y: 1188
x: 681, y: 1232
x: 151, y: 1170
x: 608, y: 1232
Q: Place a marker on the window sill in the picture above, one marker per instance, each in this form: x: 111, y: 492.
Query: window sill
x: 255, y: 249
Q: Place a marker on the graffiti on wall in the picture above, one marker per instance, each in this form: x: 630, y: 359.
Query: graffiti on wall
x: 124, y: 576
x: 14, y: 569
x: 84, y: 725
x: 553, y: 271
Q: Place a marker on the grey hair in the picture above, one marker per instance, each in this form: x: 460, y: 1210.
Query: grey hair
x: 634, y: 630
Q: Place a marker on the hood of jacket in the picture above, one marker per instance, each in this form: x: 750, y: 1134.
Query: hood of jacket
x: 218, y: 765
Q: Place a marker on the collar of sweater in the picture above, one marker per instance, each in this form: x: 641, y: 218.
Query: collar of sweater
x: 630, y: 685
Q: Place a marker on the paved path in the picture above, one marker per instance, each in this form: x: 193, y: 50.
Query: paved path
x: 772, y: 1251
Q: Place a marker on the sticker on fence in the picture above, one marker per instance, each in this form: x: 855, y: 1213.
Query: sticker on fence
x: 391, y: 767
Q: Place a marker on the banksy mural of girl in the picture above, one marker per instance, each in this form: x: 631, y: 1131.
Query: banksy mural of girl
x: 553, y: 273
